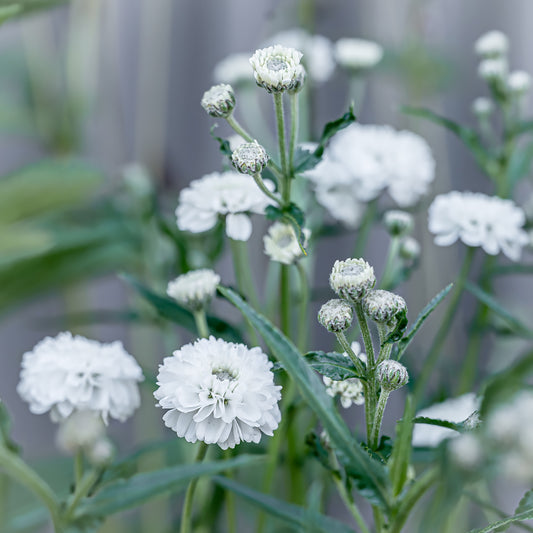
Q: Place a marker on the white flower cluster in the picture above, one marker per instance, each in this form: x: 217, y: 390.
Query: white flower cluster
x: 219, y: 393
x: 194, y: 289
x: 478, y: 220
x: 362, y: 161
x: 281, y: 243
x: 230, y: 195
x: 357, y: 54
x: 67, y: 374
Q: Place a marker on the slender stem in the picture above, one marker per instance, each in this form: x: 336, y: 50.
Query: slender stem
x: 343, y: 341
x: 83, y: 488
x: 78, y: 466
x: 17, y: 469
x: 388, y: 271
x: 442, y: 333
x: 285, y: 300
x: 378, y: 418
x: 280, y: 123
x: 364, y: 228
x: 201, y: 323
x: 304, y: 302
x: 365, y: 333
x: 230, y: 499
x: 186, y: 514
x: 261, y: 184
x: 385, y: 350
x: 294, y: 100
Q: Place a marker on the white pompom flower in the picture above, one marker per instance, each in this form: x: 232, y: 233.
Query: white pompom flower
x: 194, y: 289
x: 219, y: 392
x: 228, y: 195
x: 492, y: 44
x: 476, y: 219
x: 71, y: 373
x: 234, y: 69
x: 356, y: 54
x: 281, y: 243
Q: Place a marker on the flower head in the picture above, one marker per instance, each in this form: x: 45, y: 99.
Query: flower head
x: 478, y: 220
x: 492, y: 44
x: 276, y: 68
x: 383, y: 306
x: 80, y: 431
x: 66, y: 374
x: 356, y: 54
x: 281, y: 243
x: 392, y: 375
x: 482, y: 106
x: 409, y: 249
x: 234, y: 69
x: 229, y: 195
x: 398, y: 223
x: 493, y: 70
x: 249, y: 158
x: 336, y: 315
x: 352, y: 279
x: 519, y: 82
x: 219, y: 101
x: 194, y: 289
x: 219, y: 393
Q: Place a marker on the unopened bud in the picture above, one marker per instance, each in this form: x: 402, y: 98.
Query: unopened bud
x: 249, y: 158
x: 219, y: 101
x: 398, y: 223
x: 352, y: 279
x: 336, y: 315
x: 383, y: 306
x: 392, y: 375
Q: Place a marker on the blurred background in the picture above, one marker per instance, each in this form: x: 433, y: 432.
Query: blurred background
x: 92, y: 91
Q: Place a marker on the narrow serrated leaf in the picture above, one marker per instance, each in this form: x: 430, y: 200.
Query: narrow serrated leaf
x: 437, y: 422
x: 333, y: 365
x: 525, y: 515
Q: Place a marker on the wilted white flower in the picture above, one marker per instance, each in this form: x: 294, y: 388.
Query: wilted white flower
x: 219, y: 393
x: 249, y: 158
x: 454, y: 410
x: 317, y: 51
x: 398, y: 222
x: 219, y: 101
x: 519, y: 82
x: 478, y: 220
x: 355, y: 54
x: 234, y: 69
x: 482, y: 106
x: 230, y: 195
x: 276, y: 68
x: 80, y: 431
x: 492, y: 44
x: 352, y: 279
x: 493, y: 69
x: 194, y: 289
x: 281, y: 243
x: 66, y: 374
x: 336, y: 315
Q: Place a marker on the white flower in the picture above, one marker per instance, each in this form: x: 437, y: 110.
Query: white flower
x: 219, y: 101
x: 352, y: 279
x: 234, y: 69
x: 493, y: 69
x: 219, y: 393
x: 454, y: 410
x: 230, y: 195
x: 281, y: 243
x: 478, y: 220
x: 398, y: 223
x: 409, y: 249
x: 317, y: 51
x: 357, y: 53
x: 482, y: 106
x: 492, y: 44
x: 276, y: 68
x: 235, y: 141
x: 519, y: 81
x: 466, y: 451
x: 66, y: 373
x: 194, y: 289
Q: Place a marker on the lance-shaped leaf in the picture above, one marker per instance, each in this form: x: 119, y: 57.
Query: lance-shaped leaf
x: 524, y: 515
x: 401, y: 452
x: 332, y: 365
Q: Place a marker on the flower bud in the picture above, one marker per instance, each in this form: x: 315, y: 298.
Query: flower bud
x: 101, y: 452
x: 352, y: 279
x: 392, y: 375
x: 80, y: 431
x: 383, y: 306
x: 482, y: 107
x: 219, y: 101
x: 519, y: 82
x: 195, y: 289
x: 492, y: 44
x: 357, y: 54
x: 398, y: 223
x: 336, y: 315
x: 249, y: 158
x: 493, y: 70
x: 409, y: 249
x: 281, y: 243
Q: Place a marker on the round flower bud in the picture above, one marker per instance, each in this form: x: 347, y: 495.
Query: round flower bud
x: 398, y: 223
x: 493, y: 69
x: 392, y: 375
x: 519, y: 82
x: 492, y: 44
x: 80, y: 431
x: 482, y: 107
x: 101, y: 452
x: 336, y: 315
x: 383, y: 306
x: 276, y: 68
x: 195, y: 289
x: 299, y: 81
x: 409, y: 249
x: 352, y: 279
x: 249, y: 158
x: 219, y: 101
x: 281, y: 243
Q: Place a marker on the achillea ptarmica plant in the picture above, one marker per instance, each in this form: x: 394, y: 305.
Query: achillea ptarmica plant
x: 219, y: 101
x: 352, y: 279
x: 392, y: 375
x: 194, y: 289
x: 249, y: 158
x: 383, y: 306
x: 336, y: 315
x: 276, y: 68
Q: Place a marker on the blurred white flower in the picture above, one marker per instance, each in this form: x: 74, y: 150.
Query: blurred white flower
x: 492, y: 44
x: 80, y: 431
x: 478, y: 220
x: 317, y: 51
x: 66, y: 374
x: 234, y: 69
x: 230, y: 195
x: 195, y: 289
x: 482, y: 106
x: 454, y: 410
x: 219, y: 393
x: 409, y: 249
x: 519, y: 82
x: 281, y: 243
x: 355, y: 54
x: 493, y: 69
x: 466, y: 451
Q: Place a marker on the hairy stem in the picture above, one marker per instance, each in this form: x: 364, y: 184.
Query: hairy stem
x: 378, y: 418
x: 201, y: 323
x: 304, y: 302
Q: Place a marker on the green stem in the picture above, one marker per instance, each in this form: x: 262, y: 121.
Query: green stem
x: 261, y: 184
x: 230, y: 499
x: 304, y: 302
x: 442, y: 333
x: 82, y: 489
x: 294, y: 100
x: 201, y: 323
x: 186, y: 515
x: 280, y: 123
x: 385, y: 350
x: 17, y: 469
x: 285, y: 300
x: 365, y: 333
x: 378, y: 418
x: 388, y: 271
x: 78, y: 467
x: 364, y: 228
x: 343, y: 341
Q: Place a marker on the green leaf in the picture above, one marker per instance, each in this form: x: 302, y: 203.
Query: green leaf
x: 525, y: 515
x: 526, y: 503
x: 520, y: 164
x: 369, y: 474
x: 504, y: 270
x: 142, y: 487
x: 487, y: 299
x: 401, y: 325
x: 170, y: 310
x: 5, y: 428
x: 332, y: 365
x: 401, y: 451
x: 420, y: 319
x: 224, y: 146
x: 301, y: 518
x: 437, y: 422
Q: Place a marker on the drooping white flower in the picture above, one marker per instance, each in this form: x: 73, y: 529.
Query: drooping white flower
x: 478, y: 220
x: 519, y: 82
x: 195, y: 289
x: 276, y: 68
x: 230, y: 195
x: 454, y: 410
x: 492, y: 44
x: 71, y: 373
x: 355, y: 54
x: 234, y: 69
x: 281, y: 243
x: 317, y: 51
x: 219, y: 393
